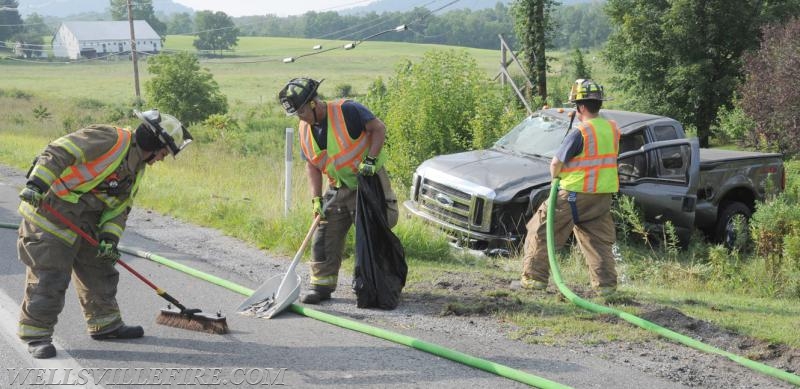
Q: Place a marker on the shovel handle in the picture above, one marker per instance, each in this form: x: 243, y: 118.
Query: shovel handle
x: 303, y: 245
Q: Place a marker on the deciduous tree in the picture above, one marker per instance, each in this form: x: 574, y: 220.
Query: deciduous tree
x: 215, y: 31
x: 534, y: 27
x: 683, y: 58
x: 142, y: 10
x: 10, y: 21
x: 770, y: 95
x: 179, y: 86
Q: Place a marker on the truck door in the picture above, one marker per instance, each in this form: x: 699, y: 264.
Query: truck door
x: 662, y: 177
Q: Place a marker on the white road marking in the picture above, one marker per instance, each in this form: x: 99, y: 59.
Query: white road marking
x: 61, y: 363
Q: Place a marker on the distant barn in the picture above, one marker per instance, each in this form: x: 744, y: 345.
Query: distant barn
x: 75, y: 40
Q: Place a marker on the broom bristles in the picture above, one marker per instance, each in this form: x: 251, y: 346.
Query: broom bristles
x: 201, y: 322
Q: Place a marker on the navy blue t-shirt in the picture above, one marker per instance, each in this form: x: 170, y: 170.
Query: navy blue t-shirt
x: 356, y: 117
x: 571, y: 146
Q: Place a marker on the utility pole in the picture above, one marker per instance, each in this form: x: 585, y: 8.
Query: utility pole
x: 133, y: 53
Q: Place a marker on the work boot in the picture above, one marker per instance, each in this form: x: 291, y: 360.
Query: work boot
x: 531, y: 284
x: 42, y: 349
x: 315, y: 296
x: 124, y: 332
x: 606, y: 291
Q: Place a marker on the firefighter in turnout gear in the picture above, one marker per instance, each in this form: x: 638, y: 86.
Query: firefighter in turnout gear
x: 339, y: 139
x: 91, y: 177
x: 586, y: 163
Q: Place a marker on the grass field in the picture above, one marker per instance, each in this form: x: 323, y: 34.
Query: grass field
x: 253, y: 74
x: 242, y: 193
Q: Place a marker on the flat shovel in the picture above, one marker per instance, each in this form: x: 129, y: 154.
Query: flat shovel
x: 278, y: 292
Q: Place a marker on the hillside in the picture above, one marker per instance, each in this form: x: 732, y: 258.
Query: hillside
x: 63, y: 8
x: 381, y: 6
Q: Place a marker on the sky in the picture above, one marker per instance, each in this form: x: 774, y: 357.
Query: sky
x: 275, y: 7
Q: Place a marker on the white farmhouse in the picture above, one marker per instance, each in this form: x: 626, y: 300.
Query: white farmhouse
x: 75, y: 40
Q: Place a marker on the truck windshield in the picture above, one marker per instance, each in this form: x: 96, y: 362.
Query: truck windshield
x: 538, y: 135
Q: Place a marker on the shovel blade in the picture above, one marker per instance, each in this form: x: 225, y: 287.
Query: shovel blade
x: 279, y: 296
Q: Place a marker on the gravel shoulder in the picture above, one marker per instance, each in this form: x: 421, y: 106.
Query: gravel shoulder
x: 484, y: 334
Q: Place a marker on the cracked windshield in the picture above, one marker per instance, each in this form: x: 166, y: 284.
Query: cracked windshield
x: 538, y: 135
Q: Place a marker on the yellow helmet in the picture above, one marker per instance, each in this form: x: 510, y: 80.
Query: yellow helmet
x: 586, y: 89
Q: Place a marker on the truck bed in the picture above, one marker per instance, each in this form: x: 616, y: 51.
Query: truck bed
x: 711, y: 158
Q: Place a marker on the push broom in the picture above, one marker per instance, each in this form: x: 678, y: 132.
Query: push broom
x: 178, y: 317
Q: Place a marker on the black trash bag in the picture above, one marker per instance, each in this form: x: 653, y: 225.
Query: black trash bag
x: 381, y: 269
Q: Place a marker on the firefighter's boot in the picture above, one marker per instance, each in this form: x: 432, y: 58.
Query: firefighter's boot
x: 42, y: 349
x: 123, y: 332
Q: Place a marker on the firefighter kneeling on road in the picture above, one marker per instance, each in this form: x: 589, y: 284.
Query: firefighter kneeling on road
x: 90, y: 177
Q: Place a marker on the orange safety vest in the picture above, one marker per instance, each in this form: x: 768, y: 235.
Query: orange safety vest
x: 594, y: 169
x: 341, y: 159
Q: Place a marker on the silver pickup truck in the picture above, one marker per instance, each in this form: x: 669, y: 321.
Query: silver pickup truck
x: 482, y: 199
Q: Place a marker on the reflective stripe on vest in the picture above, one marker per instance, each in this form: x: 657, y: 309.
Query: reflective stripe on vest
x: 29, y: 213
x: 594, y: 169
x: 340, y: 161
x: 317, y: 157
x: 82, y: 177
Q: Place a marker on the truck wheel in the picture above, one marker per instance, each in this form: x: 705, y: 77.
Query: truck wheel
x: 730, y: 214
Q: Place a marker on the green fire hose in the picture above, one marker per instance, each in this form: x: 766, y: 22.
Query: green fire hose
x: 478, y: 363
x: 571, y: 296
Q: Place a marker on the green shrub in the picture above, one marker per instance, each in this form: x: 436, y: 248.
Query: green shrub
x: 343, y: 90
x: 431, y: 106
x: 89, y: 103
x: 15, y: 93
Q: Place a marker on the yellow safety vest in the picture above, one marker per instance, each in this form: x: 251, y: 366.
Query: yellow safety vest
x: 594, y: 170
x: 341, y: 159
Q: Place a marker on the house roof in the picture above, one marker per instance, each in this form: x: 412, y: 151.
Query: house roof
x: 106, y: 30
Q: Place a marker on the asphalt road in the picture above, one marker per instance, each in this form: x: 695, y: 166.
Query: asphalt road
x: 291, y: 350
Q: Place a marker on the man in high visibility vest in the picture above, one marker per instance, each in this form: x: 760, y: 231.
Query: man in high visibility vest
x: 91, y: 177
x: 339, y: 139
x: 586, y: 163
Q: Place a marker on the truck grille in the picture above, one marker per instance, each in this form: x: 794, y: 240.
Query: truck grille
x: 452, y: 205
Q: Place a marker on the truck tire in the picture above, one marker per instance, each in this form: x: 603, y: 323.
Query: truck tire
x: 725, y: 232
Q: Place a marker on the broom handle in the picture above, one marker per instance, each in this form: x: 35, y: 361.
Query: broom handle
x: 92, y: 241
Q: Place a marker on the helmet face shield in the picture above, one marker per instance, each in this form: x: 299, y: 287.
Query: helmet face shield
x: 169, y: 130
x: 297, y: 93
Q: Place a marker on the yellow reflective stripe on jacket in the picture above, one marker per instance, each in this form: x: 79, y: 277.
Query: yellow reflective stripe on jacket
x: 98, y: 323
x: 79, y: 179
x: 324, y: 281
x: 44, y: 174
x: 594, y: 169
x: 29, y: 213
x: 26, y: 331
x: 71, y: 148
x: 113, y: 229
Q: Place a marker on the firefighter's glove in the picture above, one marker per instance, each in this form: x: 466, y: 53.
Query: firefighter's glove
x: 32, y: 195
x: 107, y: 251
x: 316, y: 202
x: 367, y: 167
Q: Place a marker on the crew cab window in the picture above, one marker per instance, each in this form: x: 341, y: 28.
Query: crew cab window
x: 666, y: 163
x: 665, y: 133
x: 631, y: 168
x: 673, y: 162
